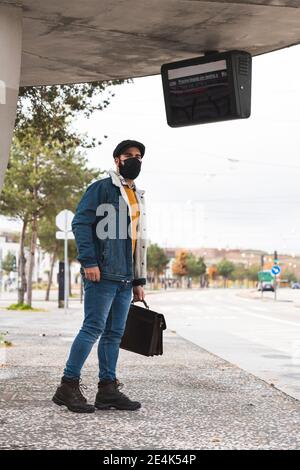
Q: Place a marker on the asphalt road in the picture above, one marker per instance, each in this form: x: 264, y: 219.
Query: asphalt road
x: 261, y: 336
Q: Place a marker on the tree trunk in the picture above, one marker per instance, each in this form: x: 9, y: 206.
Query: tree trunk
x: 31, y: 258
x: 54, y: 255
x: 21, y: 266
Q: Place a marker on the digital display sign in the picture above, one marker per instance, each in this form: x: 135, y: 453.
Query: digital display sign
x: 207, y: 89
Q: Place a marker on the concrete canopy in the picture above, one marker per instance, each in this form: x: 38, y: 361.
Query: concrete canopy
x: 84, y: 40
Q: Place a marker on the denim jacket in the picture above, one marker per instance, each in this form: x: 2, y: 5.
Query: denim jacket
x: 106, y: 200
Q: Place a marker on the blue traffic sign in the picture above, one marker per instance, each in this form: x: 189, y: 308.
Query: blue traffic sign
x: 275, y: 270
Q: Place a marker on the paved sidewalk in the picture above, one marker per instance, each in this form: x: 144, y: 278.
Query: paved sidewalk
x: 190, y: 398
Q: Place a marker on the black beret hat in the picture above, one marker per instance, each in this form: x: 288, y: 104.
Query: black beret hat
x: 125, y: 144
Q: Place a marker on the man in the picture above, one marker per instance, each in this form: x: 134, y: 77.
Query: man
x: 113, y: 267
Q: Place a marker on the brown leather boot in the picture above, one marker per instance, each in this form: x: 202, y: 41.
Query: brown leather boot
x: 68, y: 393
x: 109, y: 396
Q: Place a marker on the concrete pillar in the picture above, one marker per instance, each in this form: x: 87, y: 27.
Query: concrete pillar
x: 10, y: 64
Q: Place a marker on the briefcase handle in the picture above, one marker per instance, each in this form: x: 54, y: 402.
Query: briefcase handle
x: 146, y: 305
x: 162, y: 318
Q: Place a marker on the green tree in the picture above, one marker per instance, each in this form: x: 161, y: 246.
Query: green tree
x: 290, y: 276
x: 252, y: 272
x: 196, y: 267
x: 239, y: 273
x: 157, y: 260
x: 51, y: 110
x: 225, y: 269
x: 14, y: 203
x: 9, y: 262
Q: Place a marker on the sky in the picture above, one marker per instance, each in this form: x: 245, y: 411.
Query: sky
x: 228, y: 185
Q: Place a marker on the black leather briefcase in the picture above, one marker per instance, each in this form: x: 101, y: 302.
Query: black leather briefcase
x: 144, y: 331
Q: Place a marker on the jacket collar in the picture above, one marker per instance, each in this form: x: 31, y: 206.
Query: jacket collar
x: 117, y: 181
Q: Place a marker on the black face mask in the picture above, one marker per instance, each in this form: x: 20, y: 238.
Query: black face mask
x: 130, y: 168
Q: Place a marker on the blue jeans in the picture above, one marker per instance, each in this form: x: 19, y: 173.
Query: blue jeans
x: 106, y: 306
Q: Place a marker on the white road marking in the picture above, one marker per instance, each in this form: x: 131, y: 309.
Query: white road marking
x: 277, y: 320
